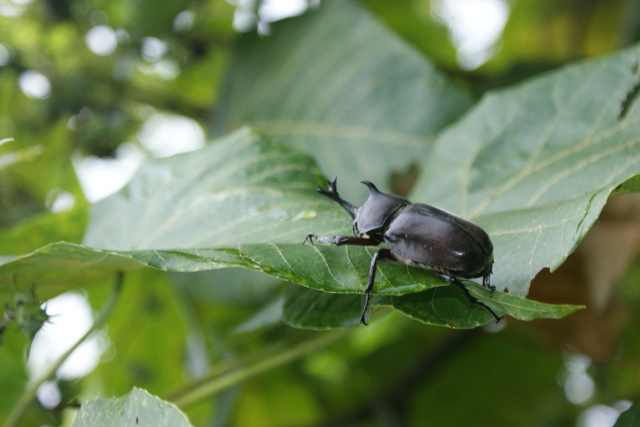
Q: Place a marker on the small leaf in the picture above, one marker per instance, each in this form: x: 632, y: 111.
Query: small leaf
x: 518, y: 307
x: 447, y: 306
x: 138, y: 408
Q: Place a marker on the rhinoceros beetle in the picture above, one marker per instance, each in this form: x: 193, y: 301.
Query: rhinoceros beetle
x: 416, y: 234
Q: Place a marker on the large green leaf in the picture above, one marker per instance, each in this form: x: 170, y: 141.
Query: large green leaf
x: 336, y: 83
x: 226, y: 205
x: 535, y: 164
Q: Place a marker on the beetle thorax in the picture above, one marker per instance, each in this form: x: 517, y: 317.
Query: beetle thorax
x: 377, y: 210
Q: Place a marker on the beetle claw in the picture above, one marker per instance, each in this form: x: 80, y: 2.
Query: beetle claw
x: 332, y: 185
x: 310, y: 238
x: 486, y: 280
x: 332, y: 193
x: 363, y: 320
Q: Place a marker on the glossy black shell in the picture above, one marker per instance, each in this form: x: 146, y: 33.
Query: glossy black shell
x: 439, y: 240
x: 377, y: 209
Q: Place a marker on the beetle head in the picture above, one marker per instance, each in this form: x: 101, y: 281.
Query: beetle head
x: 377, y: 209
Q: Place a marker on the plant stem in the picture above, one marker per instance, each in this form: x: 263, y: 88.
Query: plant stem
x: 229, y: 378
x: 30, y: 393
x: 223, y: 367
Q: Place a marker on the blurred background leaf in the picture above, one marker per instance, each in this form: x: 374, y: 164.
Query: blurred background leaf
x: 338, y: 85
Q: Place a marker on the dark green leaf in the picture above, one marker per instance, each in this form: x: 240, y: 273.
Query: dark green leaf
x: 310, y: 309
x: 629, y: 418
x: 440, y: 306
x: 60, y: 266
x: 447, y: 306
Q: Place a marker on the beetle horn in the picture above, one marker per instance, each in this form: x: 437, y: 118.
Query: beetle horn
x: 332, y: 193
x: 371, y: 186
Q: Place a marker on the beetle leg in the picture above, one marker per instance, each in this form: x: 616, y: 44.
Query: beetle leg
x: 470, y: 297
x: 342, y: 240
x: 486, y: 282
x: 332, y: 193
x: 381, y: 254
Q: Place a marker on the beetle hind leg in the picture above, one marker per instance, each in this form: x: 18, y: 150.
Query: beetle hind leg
x: 470, y: 297
x: 487, y: 284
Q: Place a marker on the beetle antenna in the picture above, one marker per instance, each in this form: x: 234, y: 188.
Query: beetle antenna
x: 332, y: 193
x: 370, y: 185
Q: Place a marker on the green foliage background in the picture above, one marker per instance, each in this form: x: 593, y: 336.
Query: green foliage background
x: 362, y: 91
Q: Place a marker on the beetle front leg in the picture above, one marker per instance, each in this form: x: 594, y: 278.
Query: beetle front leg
x: 381, y: 254
x: 470, y: 297
x: 341, y: 240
